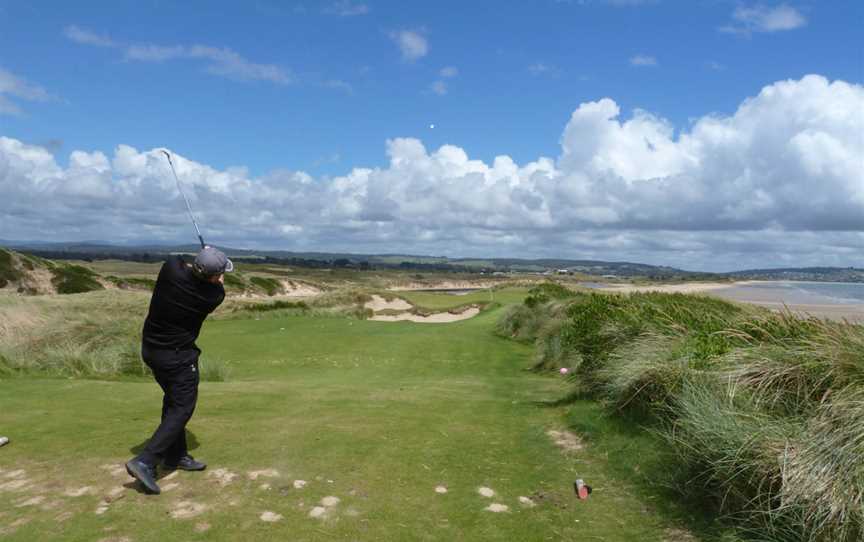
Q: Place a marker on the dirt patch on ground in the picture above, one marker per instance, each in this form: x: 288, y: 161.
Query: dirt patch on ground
x: 330, y: 501
x: 78, y: 491
x: 565, y: 440
x: 437, y: 318
x: 526, y: 502
x: 188, y: 509
x: 678, y: 535
x: 318, y: 512
x: 270, y: 517
x: 15, y: 484
x: 497, y: 508
x: 113, y: 469
x: 32, y: 501
x: 223, y: 476
x: 378, y: 303
x: 440, y: 489
x: 299, y: 484
x: 486, y: 491
x: 266, y: 473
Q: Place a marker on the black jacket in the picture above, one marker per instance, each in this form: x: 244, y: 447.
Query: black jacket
x: 180, y: 303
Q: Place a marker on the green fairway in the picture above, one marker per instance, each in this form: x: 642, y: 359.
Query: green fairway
x: 444, y: 301
x: 376, y: 414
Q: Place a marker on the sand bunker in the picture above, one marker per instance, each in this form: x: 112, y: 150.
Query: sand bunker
x: 438, y: 318
x: 441, y: 490
x: 565, y: 440
x: 378, y: 303
x: 486, y: 491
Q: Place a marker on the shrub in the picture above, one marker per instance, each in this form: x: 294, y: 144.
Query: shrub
x: 269, y: 285
x: 274, y: 306
x: 8, y: 271
x: 764, y: 411
x: 234, y: 281
x: 546, y: 292
x: 74, y: 279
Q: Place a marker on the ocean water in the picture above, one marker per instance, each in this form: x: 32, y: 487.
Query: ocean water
x: 794, y: 292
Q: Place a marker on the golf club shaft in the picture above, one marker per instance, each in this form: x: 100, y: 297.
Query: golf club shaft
x: 188, y: 207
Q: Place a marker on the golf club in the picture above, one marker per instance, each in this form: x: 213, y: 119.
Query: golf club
x: 188, y: 207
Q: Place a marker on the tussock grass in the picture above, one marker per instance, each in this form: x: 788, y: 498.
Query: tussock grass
x: 345, y: 302
x: 74, y: 279
x: 91, y: 335
x: 763, y: 411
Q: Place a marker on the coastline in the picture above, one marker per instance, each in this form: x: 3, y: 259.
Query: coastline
x: 765, y: 297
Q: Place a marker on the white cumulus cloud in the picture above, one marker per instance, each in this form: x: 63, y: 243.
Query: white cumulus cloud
x: 777, y: 182
x: 643, y: 60
x: 87, y: 37
x: 412, y: 45
x: 449, y: 71
x: 221, y: 61
x: 346, y: 8
x: 13, y: 86
x: 762, y: 18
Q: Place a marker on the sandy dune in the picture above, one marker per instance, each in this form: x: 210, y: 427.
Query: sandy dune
x: 685, y: 288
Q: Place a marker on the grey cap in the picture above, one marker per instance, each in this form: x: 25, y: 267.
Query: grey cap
x: 212, y: 261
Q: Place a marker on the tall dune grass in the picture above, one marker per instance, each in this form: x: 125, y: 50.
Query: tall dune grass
x: 763, y: 412
x: 91, y: 335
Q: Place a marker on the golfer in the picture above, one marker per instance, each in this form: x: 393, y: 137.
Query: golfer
x: 183, y: 297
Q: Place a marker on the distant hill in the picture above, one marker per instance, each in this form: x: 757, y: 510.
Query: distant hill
x: 819, y: 274
x: 100, y: 250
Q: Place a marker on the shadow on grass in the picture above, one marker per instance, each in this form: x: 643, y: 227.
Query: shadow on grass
x: 191, y: 443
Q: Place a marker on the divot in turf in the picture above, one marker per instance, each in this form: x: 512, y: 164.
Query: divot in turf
x: 188, y: 509
x: 270, y: 517
x: 486, y: 491
x: 497, y: 508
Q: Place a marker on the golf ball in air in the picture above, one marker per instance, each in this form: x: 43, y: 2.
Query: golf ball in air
x: 564, y: 370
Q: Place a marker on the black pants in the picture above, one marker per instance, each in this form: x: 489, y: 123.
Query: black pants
x: 176, y: 371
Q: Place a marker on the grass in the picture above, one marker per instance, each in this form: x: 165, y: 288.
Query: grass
x: 94, y: 335
x: 8, y: 270
x: 761, y: 409
x: 74, y: 279
x: 375, y: 413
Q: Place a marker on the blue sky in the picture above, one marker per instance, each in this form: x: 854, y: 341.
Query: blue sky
x: 321, y: 87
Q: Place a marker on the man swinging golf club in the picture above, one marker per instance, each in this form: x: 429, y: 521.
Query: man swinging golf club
x: 183, y: 297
